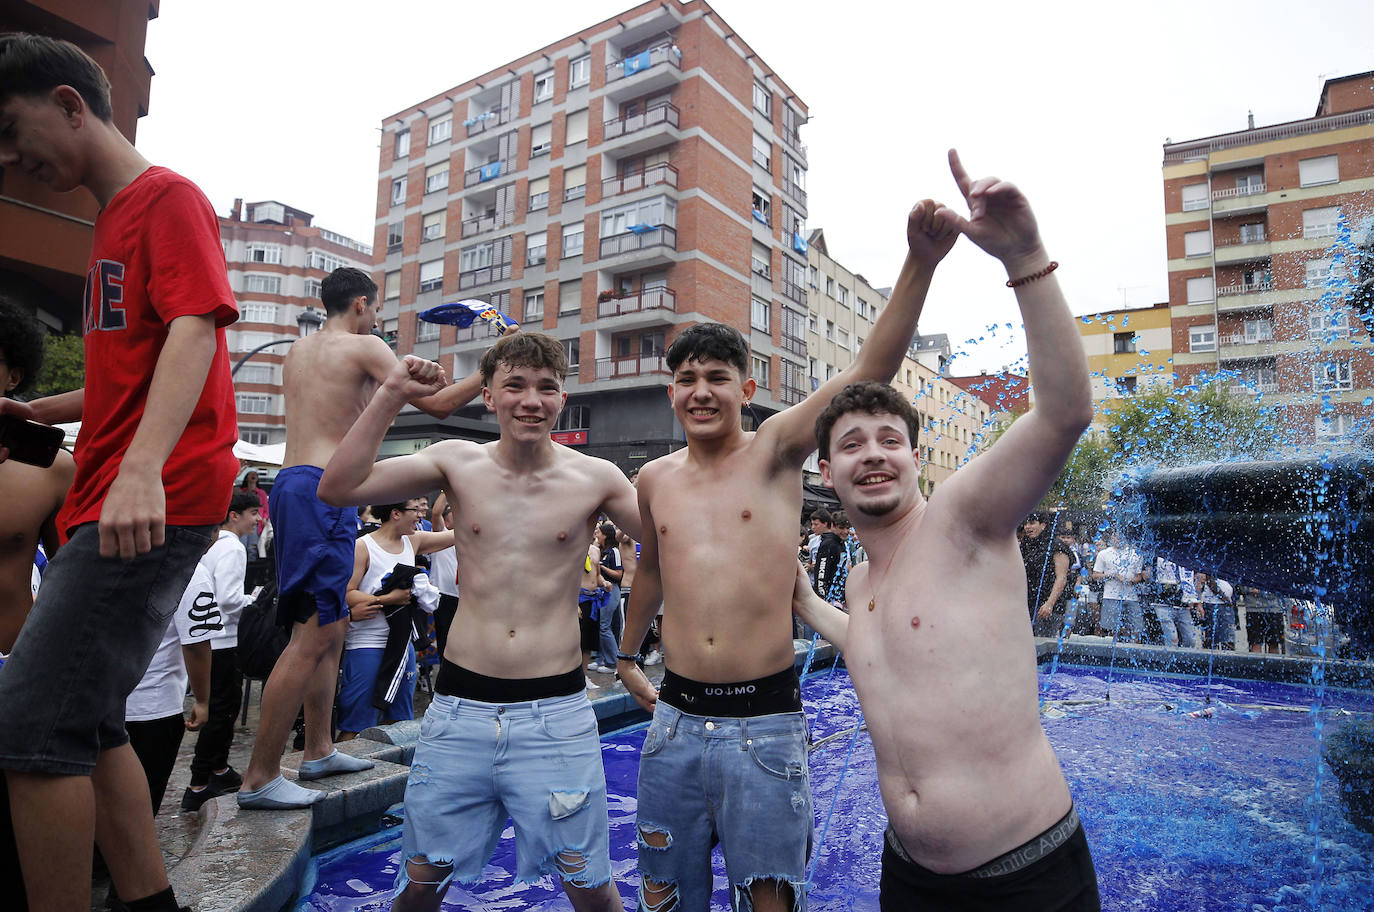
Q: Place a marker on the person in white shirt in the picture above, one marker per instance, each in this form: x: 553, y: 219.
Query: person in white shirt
x: 1175, y: 617
x: 1218, y: 611
x: 1120, y: 568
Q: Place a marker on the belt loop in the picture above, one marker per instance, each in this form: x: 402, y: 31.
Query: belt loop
x: 457, y: 705
x: 744, y: 734
x: 672, y: 726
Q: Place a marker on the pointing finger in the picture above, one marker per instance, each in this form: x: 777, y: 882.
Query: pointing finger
x: 961, y: 178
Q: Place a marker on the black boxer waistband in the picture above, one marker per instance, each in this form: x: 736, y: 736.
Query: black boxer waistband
x: 456, y: 681
x: 777, y: 693
x: 1022, y: 856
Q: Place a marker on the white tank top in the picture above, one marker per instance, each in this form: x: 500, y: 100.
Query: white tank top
x: 371, y: 632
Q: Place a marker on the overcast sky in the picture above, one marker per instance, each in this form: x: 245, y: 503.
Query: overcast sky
x: 284, y: 100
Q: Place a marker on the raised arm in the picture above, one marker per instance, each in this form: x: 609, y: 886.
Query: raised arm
x: 1004, y: 484
x: 931, y: 231
x: 645, y: 598
x: 353, y: 475
x: 429, y: 542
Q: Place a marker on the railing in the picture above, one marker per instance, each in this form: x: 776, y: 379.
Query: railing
x: 1233, y: 192
x: 1242, y: 339
x: 1201, y: 148
x: 797, y: 193
x: 478, y: 225
x: 631, y: 366
x: 638, y: 63
x: 1244, y: 288
x: 1241, y: 242
x: 662, y: 236
x: 486, y: 172
x: 484, y: 276
x: 482, y: 122
x: 1242, y: 389
x: 648, y: 299
x: 631, y: 123
x: 794, y: 140
x: 794, y: 345
x: 539, y: 201
x: 649, y: 177
x: 791, y: 395
x: 793, y: 292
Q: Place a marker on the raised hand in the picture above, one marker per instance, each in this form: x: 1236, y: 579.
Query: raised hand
x: 931, y: 230
x: 414, y: 378
x: 1000, y: 220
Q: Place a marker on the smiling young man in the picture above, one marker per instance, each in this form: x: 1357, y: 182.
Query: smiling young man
x: 980, y: 816
x: 510, y: 730
x: 729, y: 713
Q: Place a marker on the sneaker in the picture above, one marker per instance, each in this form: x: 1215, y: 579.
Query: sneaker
x: 191, y: 800
x: 228, y: 781
x: 602, y: 669
x: 592, y: 685
x: 653, y: 658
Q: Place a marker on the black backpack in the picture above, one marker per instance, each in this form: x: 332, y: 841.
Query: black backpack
x: 261, y: 640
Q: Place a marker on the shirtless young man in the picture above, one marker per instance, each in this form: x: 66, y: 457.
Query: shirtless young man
x: 329, y: 377
x: 495, y: 740
x: 944, y: 664
x: 727, y: 624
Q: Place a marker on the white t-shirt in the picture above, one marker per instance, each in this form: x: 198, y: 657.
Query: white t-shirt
x: 1117, y: 563
x: 443, y: 571
x: 1189, y: 584
x: 1166, y: 572
x: 162, y: 692
x: 1208, y: 597
x: 227, y: 562
x: 370, y: 633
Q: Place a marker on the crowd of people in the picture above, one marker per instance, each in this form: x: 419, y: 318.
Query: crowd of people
x: 979, y: 812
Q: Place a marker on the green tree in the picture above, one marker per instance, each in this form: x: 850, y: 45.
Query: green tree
x: 64, y: 365
x: 1082, y: 483
x: 1205, y: 423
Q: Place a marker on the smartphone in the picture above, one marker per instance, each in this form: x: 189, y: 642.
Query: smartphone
x: 28, y: 441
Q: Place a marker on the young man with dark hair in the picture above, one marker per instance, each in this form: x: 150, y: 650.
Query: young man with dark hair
x: 329, y: 377
x: 980, y: 816
x: 1046, y: 560
x: 154, y: 468
x: 730, y: 678
x: 510, y: 693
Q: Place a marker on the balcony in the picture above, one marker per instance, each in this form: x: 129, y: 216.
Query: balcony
x: 483, y: 122
x: 1201, y: 149
x: 790, y: 395
x: 1251, y: 189
x: 484, y: 276
x: 481, y: 224
x: 631, y: 366
x: 1241, y: 251
x: 1239, y: 200
x: 649, y: 299
x: 793, y: 141
x: 636, y: 133
x: 482, y: 173
x: 794, y: 292
x: 645, y: 72
x: 794, y: 345
x: 661, y: 236
x: 1244, y: 288
x: 792, y: 190
x: 1241, y: 389
x: 650, y: 177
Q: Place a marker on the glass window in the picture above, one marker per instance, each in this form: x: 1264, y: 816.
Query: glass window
x: 1200, y: 290
x: 541, y: 139
x: 262, y: 284
x: 253, y: 403
x: 402, y: 143
x: 536, y: 247
x: 763, y: 99
x: 436, y: 177
x: 534, y: 305
x: 580, y: 71
x: 312, y: 288
x: 574, y: 182
x: 1318, y: 223
x: 539, y: 193
x: 258, y: 312
x: 543, y: 86
x: 761, y: 260
x: 432, y: 229
x: 394, y: 236
x: 425, y: 331
x: 1331, y: 375
x: 576, y: 128
x: 440, y: 129
x: 263, y: 253
x: 1194, y: 197
x: 572, y: 240
x: 1123, y: 343
x: 398, y: 191
x: 431, y: 275
x: 759, y: 315
x: 763, y: 153
x: 1202, y: 338
x: 393, y: 285
x: 570, y: 296
x: 758, y: 369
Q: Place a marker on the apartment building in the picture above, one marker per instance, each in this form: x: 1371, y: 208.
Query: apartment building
x: 1129, y: 351
x: 841, y: 308
x: 954, y: 422
x: 277, y: 259
x: 1251, y: 222
x: 46, y: 242
x: 609, y: 189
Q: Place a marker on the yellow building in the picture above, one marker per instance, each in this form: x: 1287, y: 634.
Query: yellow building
x: 955, y: 423
x: 1129, y: 351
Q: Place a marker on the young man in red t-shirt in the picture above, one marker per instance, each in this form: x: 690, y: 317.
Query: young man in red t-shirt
x: 154, y: 470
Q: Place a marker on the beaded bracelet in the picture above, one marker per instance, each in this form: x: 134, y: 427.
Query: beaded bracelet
x: 1026, y: 280
x: 626, y: 657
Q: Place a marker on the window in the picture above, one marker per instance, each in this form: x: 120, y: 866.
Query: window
x: 571, y: 349
x: 394, y: 236
x: 572, y: 240
x: 1249, y: 184
x: 1258, y: 331
x: 1316, y: 272
x: 432, y: 229
x: 541, y: 139
x: 539, y: 193
x: 1123, y: 343
x: 842, y: 338
x: 811, y: 271
x: 1194, y: 197
x: 392, y: 286
x: 830, y: 286
x: 760, y: 202
x: 1334, y: 424
x: 758, y: 369
x: 543, y: 86
x: 402, y: 143
x: 843, y: 296
x: 1202, y: 338
x: 477, y: 256
x: 263, y: 253
x: 1126, y: 385
x: 1197, y: 243
x: 255, y: 373
x: 262, y: 284
x: 536, y: 247
x: 829, y: 329
x: 1319, y: 223
x: 398, y: 191
x: 763, y: 153
x: 811, y: 323
x: 1314, y: 171
x: 580, y: 71
x: 576, y: 128
x: 763, y: 99
x: 534, y: 305
x: 318, y: 259
x: 861, y: 308
x: 425, y: 331
x: 440, y: 129
x: 574, y: 182
x: 253, y: 403
x: 1200, y: 290
x: 1322, y: 323
x: 574, y: 417
x: 1331, y: 375
x: 257, y: 312
x: 436, y: 177
x: 312, y: 288
x: 1252, y: 233
x: 759, y: 315
x: 431, y: 275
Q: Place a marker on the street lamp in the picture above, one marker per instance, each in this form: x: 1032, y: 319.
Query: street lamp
x: 308, y: 321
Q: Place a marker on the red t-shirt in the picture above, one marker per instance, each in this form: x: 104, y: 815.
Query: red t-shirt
x: 156, y: 256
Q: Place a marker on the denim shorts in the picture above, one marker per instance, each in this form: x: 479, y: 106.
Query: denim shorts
x: 740, y: 782
x: 1125, y: 615
x: 88, y: 640
x: 538, y: 762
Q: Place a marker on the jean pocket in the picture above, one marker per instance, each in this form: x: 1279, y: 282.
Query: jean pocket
x: 432, y: 723
x: 569, y: 724
x: 655, y: 739
x: 781, y: 756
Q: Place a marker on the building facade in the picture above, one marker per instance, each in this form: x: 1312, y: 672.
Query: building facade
x: 1254, y: 284
x: 1129, y: 351
x: 841, y: 308
x: 46, y: 242
x: 610, y: 189
x: 276, y: 260
x: 955, y: 424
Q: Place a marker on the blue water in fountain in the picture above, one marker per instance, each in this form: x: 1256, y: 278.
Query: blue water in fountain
x: 1182, y: 812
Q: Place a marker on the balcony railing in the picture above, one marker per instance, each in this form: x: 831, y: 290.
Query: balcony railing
x: 797, y: 193
x: 794, y: 345
x: 791, y: 395
x: 631, y: 123
x: 648, y: 299
x: 649, y: 177
x: 1233, y: 192
x: 486, y: 172
x: 478, y: 225
x: 482, y: 122
x: 1244, y: 288
x: 1242, y: 389
x: 638, y: 63
x: 631, y: 366
x: 661, y: 236
x: 1201, y: 148
x: 1240, y: 242
x: 793, y: 292
x: 791, y: 138
x: 484, y: 276
x: 1243, y: 339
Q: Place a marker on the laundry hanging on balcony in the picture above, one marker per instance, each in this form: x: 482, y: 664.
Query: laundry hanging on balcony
x: 490, y: 171
x: 640, y: 61
x: 798, y: 243
x: 642, y: 228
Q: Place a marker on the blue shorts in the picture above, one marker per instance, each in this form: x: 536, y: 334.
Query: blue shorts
x: 538, y: 762
x: 1121, y: 614
x: 360, y: 669
x: 740, y: 782
x: 313, y: 543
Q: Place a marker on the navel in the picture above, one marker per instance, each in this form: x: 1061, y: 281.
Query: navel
x: 710, y: 641
x: 746, y: 516
x: 915, y: 621
x: 512, y: 634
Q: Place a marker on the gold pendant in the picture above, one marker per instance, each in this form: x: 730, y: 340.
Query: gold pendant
x: 870, y: 602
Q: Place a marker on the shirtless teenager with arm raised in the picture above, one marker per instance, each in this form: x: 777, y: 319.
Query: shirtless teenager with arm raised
x: 329, y: 377
x: 727, y: 637
x: 944, y: 663
x: 510, y: 696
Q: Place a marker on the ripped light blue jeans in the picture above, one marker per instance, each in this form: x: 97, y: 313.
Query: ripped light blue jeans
x: 538, y: 762
x: 740, y: 782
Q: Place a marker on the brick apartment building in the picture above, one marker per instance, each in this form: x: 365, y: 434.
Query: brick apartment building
x: 1129, y: 352
x: 1251, y: 218
x: 277, y: 259
x: 46, y: 242
x: 609, y: 189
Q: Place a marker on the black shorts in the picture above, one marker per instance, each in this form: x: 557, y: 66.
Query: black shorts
x: 1060, y: 880
x: 1264, y: 627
